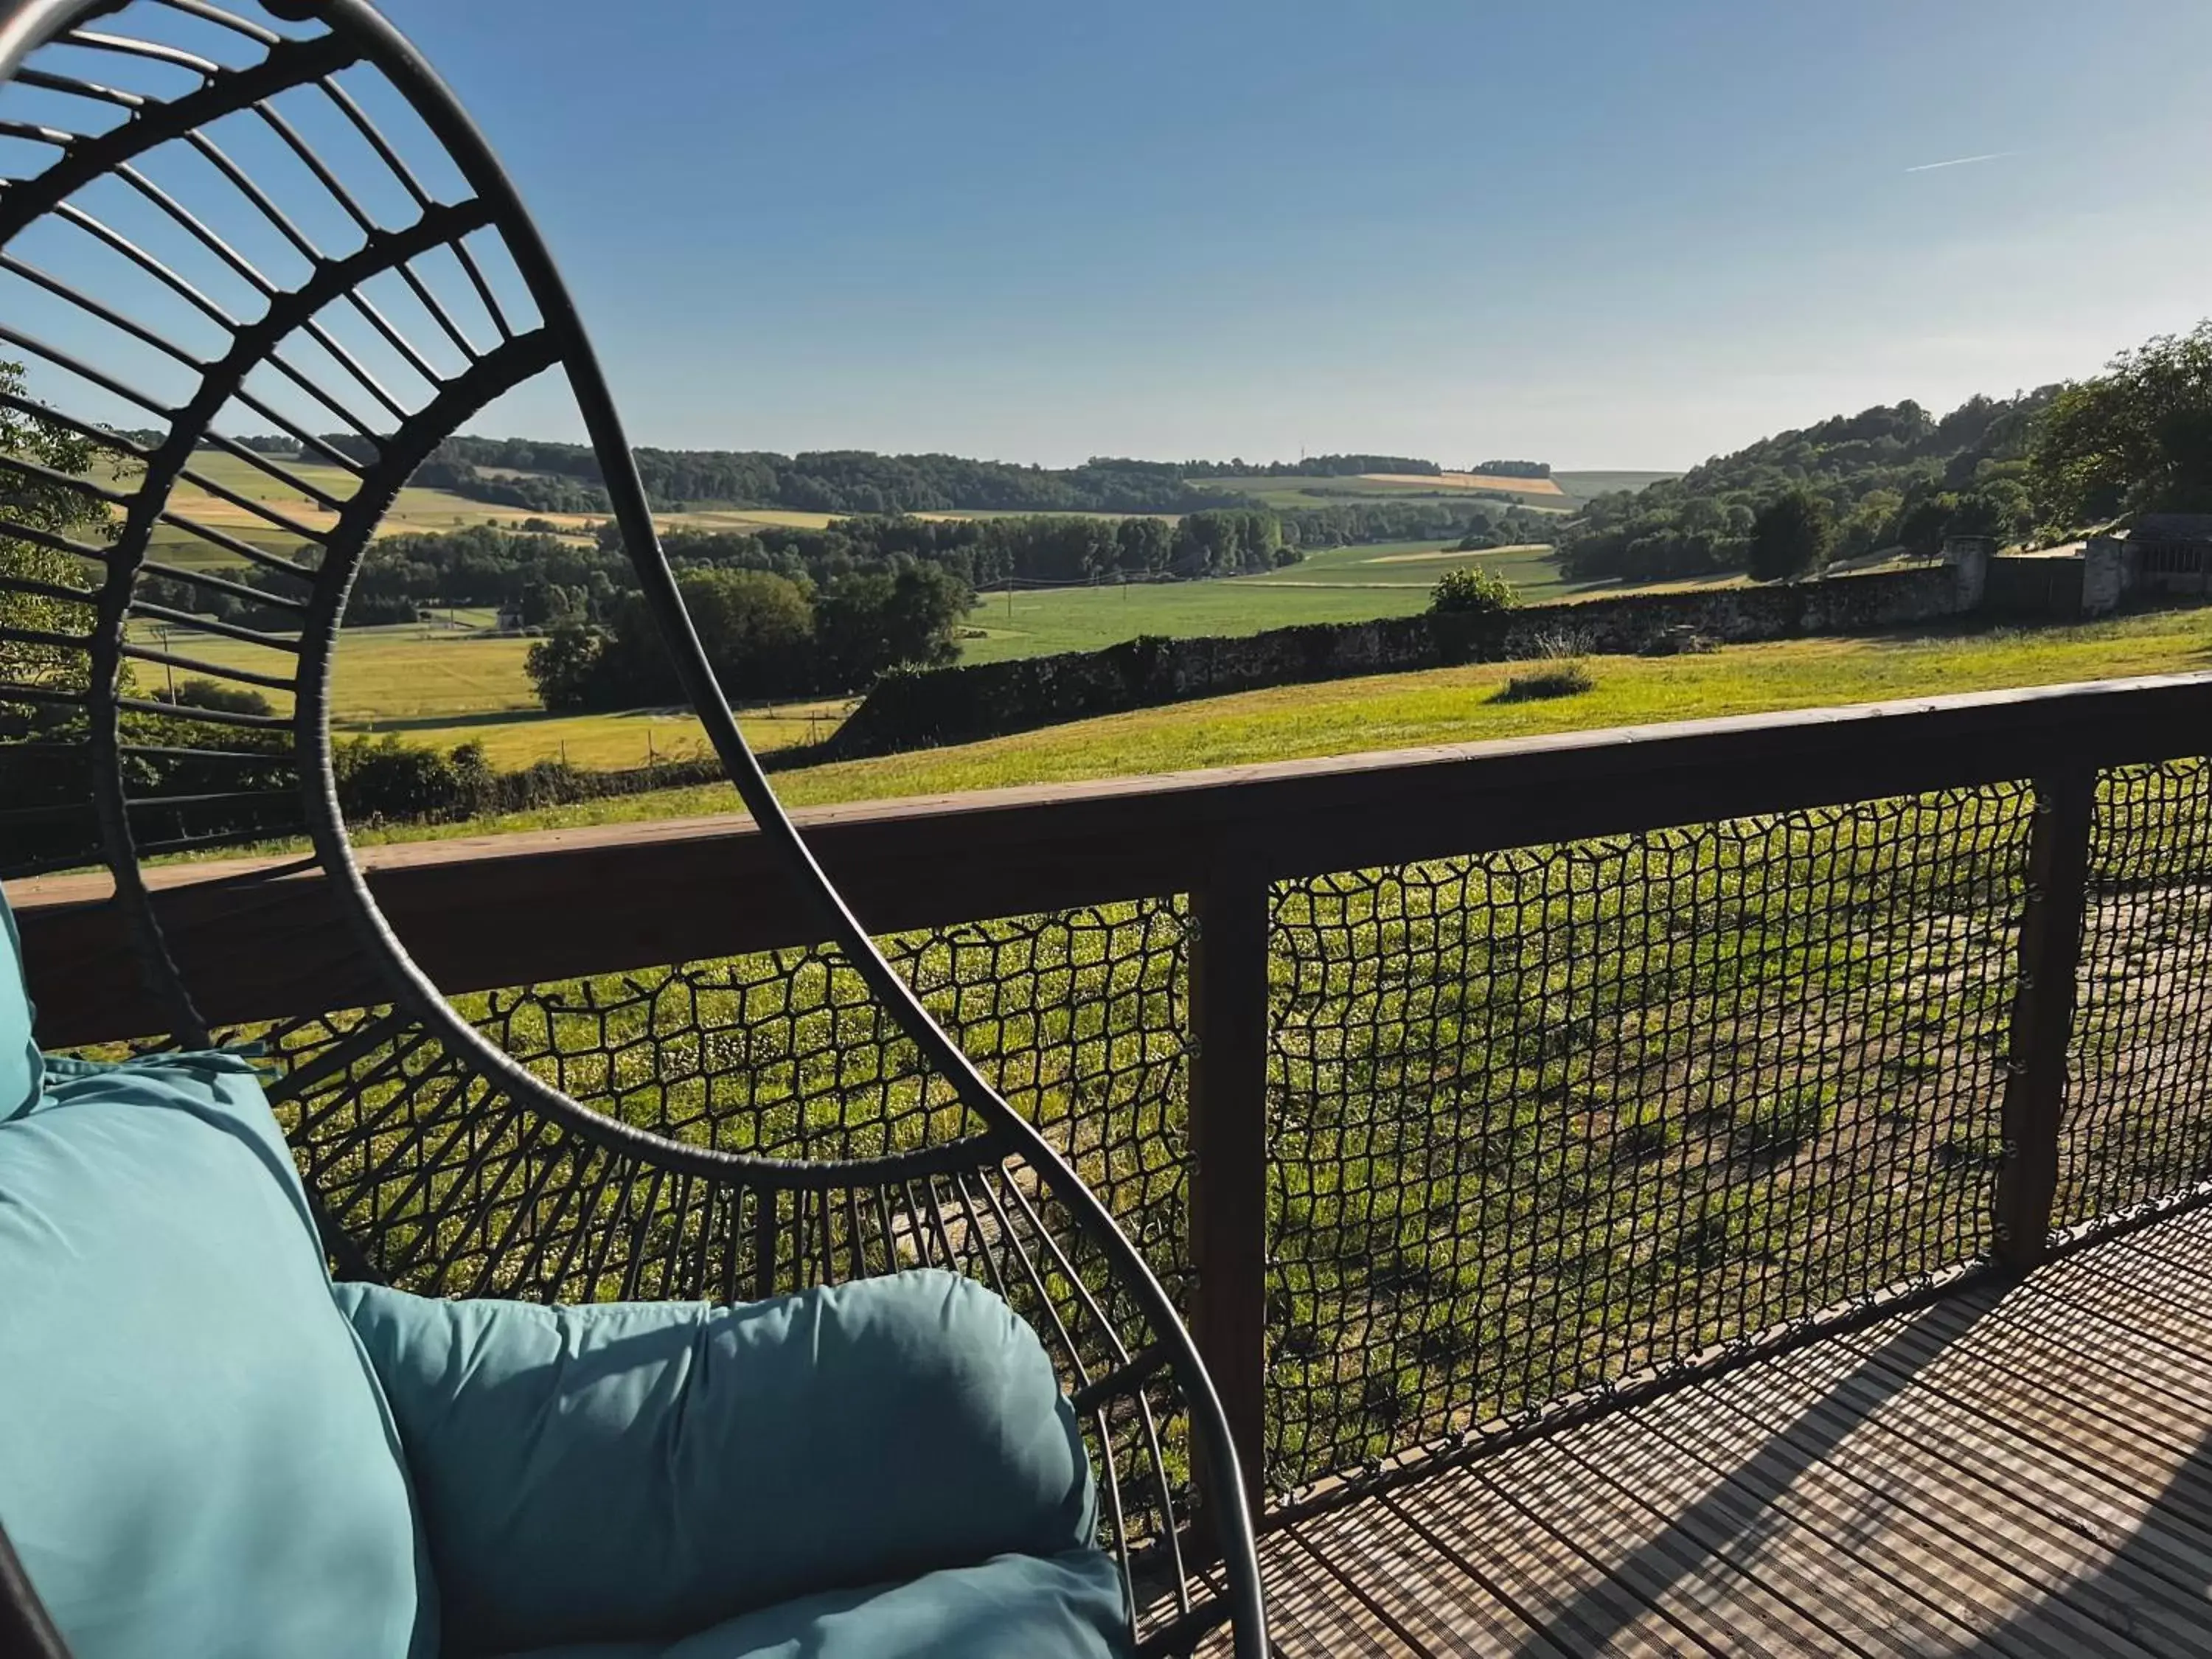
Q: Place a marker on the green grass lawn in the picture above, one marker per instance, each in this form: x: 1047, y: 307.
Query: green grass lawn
x: 1335, y: 585
x: 1459, y: 705
x: 439, y: 685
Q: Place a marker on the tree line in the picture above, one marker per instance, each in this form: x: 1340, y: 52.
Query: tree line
x: 1890, y: 477
x: 566, y: 477
x: 2054, y: 462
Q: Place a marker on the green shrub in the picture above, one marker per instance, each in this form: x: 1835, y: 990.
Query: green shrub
x: 1562, y: 669
x: 1471, y: 591
x: 1565, y: 679
x: 207, y: 694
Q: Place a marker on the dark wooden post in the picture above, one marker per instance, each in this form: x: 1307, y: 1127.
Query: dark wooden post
x: 1229, y: 1149
x: 2043, y: 1012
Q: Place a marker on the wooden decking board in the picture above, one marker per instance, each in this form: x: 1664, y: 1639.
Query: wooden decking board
x: 1695, y: 1524
x: 1956, y: 1532
x: 2178, y: 1299
x: 2019, y: 1469
x: 1615, y: 1537
x: 1443, y: 1612
x: 1995, y: 1370
x: 2143, y: 1287
x: 1808, y: 1524
x: 1378, y: 1632
x: 1575, y: 1597
x: 2111, y: 1504
x: 1309, y: 1614
x: 1842, y: 1520
x: 2072, y: 1553
x: 1803, y: 1533
x: 2074, y: 1447
x: 2174, y: 1402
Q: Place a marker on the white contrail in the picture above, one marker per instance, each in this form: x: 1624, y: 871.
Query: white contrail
x: 1963, y: 160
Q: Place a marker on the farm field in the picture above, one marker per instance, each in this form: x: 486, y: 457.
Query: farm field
x: 417, y: 512
x: 451, y: 681
x: 424, y: 510
x: 1459, y: 705
x: 1583, y: 485
x: 1510, y: 482
x: 1341, y: 584
x: 437, y: 689
x: 1315, y: 491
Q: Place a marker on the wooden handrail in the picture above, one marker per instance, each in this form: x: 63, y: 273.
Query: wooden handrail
x: 493, y: 911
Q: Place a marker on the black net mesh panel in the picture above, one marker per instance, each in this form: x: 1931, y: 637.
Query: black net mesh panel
x: 2138, y: 1119
x: 1079, y: 1017
x: 1548, y: 1117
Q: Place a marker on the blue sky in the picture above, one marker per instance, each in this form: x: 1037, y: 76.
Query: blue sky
x: 1603, y: 233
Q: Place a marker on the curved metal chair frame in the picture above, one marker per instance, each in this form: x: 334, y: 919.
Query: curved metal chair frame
x: 440, y: 1160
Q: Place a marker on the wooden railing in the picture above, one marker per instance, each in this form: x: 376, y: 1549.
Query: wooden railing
x: 486, y: 913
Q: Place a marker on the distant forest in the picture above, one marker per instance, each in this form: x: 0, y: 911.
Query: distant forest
x: 561, y: 477
x: 1892, y: 476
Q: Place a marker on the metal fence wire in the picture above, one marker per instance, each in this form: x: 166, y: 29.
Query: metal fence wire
x: 2137, y: 1125
x: 1547, y: 1117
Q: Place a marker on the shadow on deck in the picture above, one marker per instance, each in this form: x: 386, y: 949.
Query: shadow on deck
x: 2021, y: 1469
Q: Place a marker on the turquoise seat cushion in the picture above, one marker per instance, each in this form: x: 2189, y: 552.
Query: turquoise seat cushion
x: 1018, y: 1607
x: 641, y: 1471
x: 194, y: 1455
x: 20, y: 1068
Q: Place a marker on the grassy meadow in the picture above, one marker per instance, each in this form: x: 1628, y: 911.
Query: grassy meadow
x: 418, y: 511
x: 450, y: 679
x: 1462, y: 705
x: 1337, y: 585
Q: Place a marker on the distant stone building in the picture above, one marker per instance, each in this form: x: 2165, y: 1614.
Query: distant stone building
x: 2169, y: 552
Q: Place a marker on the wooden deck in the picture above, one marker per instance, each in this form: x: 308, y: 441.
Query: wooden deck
x: 2022, y: 1469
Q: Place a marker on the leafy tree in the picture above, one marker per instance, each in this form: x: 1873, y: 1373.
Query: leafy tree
x: 872, y: 621
x: 35, y: 581
x: 1471, y: 591
x: 2138, y: 437
x: 1790, y: 535
x: 564, y: 665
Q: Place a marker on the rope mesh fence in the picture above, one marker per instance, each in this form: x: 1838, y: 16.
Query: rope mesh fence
x: 1543, y: 1120
x: 1547, y: 1117
x: 2138, y: 1119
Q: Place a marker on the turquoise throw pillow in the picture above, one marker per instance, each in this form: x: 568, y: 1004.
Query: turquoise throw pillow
x: 20, y: 1067
x: 194, y: 1456
x: 631, y: 1471
x: 1018, y: 1607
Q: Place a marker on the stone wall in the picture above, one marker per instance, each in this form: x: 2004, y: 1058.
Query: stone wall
x: 962, y: 704
x: 2034, y: 585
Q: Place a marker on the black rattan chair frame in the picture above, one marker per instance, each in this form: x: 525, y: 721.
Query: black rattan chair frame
x: 733, y: 1221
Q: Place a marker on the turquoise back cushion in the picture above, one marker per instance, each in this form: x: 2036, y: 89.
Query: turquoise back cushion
x: 628, y: 1470
x: 194, y: 1456
x: 19, y: 1068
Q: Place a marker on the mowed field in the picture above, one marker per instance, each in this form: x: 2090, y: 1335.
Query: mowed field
x: 276, y: 506
x: 1461, y: 705
x: 1505, y: 481
x: 452, y: 680
x: 1341, y: 584
x: 417, y: 511
x: 438, y: 687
